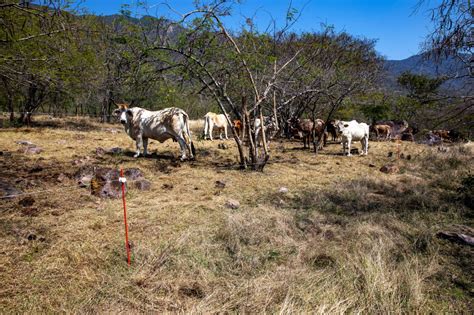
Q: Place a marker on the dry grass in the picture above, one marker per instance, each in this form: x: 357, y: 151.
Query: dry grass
x: 345, y: 238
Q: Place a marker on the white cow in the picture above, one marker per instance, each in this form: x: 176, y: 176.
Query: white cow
x: 170, y: 123
x: 269, y: 128
x: 353, y: 131
x: 212, y: 120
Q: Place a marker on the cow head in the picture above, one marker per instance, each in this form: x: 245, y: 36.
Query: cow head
x: 123, y: 113
x: 340, y: 125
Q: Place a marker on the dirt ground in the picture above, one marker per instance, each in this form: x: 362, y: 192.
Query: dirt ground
x: 345, y: 237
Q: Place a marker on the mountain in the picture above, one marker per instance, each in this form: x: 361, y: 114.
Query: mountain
x: 460, y: 83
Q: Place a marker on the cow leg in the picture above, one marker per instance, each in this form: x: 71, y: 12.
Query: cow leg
x: 206, y: 128
x: 183, y: 147
x: 349, y: 148
x: 225, y: 132
x: 257, y: 139
x: 145, y: 146
x: 139, y: 143
x: 211, y: 127
x: 220, y: 134
x: 366, y: 145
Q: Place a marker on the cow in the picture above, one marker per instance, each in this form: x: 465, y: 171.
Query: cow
x: 304, y: 128
x: 270, y: 128
x: 212, y: 120
x: 353, y: 131
x: 238, y: 126
x: 397, y: 127
x: 169, y: 123
x: 331, y: 129
x: 443, y: 134
x: 382, y: 131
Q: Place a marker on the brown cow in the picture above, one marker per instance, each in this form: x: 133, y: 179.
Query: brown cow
x: 238, y: 126
x: 384, y: 131
x: 443, y: 134
x: 304, y: 128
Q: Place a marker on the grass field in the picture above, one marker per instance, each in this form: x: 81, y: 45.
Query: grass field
x: 344, y: 238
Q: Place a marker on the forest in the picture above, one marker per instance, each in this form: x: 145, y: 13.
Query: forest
x: 58, y: 59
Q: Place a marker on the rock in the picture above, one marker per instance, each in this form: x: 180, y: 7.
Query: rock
x: 222, y: 146
x: 27, y: 201
x: 85, y: 181
x: 232, y: 204
x: 283, y: 190
x: 408, y: 157
x: 99, y: 151
x: 7, y: 190
x: 82, y: 161
x: 133, y: 174
x: 30, y: 150
x: 115, y: 150
x: 371, y: 165
x: 86, y: 170
x: 142, y: 184
x: 220, y: 184
x: 61, y: 178
x: 402, y: 156
x: 389, y: 169
x: 24, y: 142
x: 390, y: 154
x: 105, y: 182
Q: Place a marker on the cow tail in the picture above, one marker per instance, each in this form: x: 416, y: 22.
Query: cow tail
x: 188, y: 131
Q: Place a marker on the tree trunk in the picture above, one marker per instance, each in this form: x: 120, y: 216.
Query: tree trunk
x: 9, y: 99
x: 243, y: 163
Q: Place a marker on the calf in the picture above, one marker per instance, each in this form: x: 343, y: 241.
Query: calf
x: 170, y: 123
x: 212, y: 120
x: 353, y: 131
x: 304, y: 128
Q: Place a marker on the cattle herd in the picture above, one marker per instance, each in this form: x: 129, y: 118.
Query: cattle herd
x: 173, y: 123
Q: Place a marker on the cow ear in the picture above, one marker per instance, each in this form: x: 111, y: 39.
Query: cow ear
x: 129, y: 113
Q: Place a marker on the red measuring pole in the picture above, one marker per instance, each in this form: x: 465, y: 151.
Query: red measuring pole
x: 127, y: 244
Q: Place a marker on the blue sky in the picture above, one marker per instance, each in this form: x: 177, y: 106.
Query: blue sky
x: 393, y: 23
